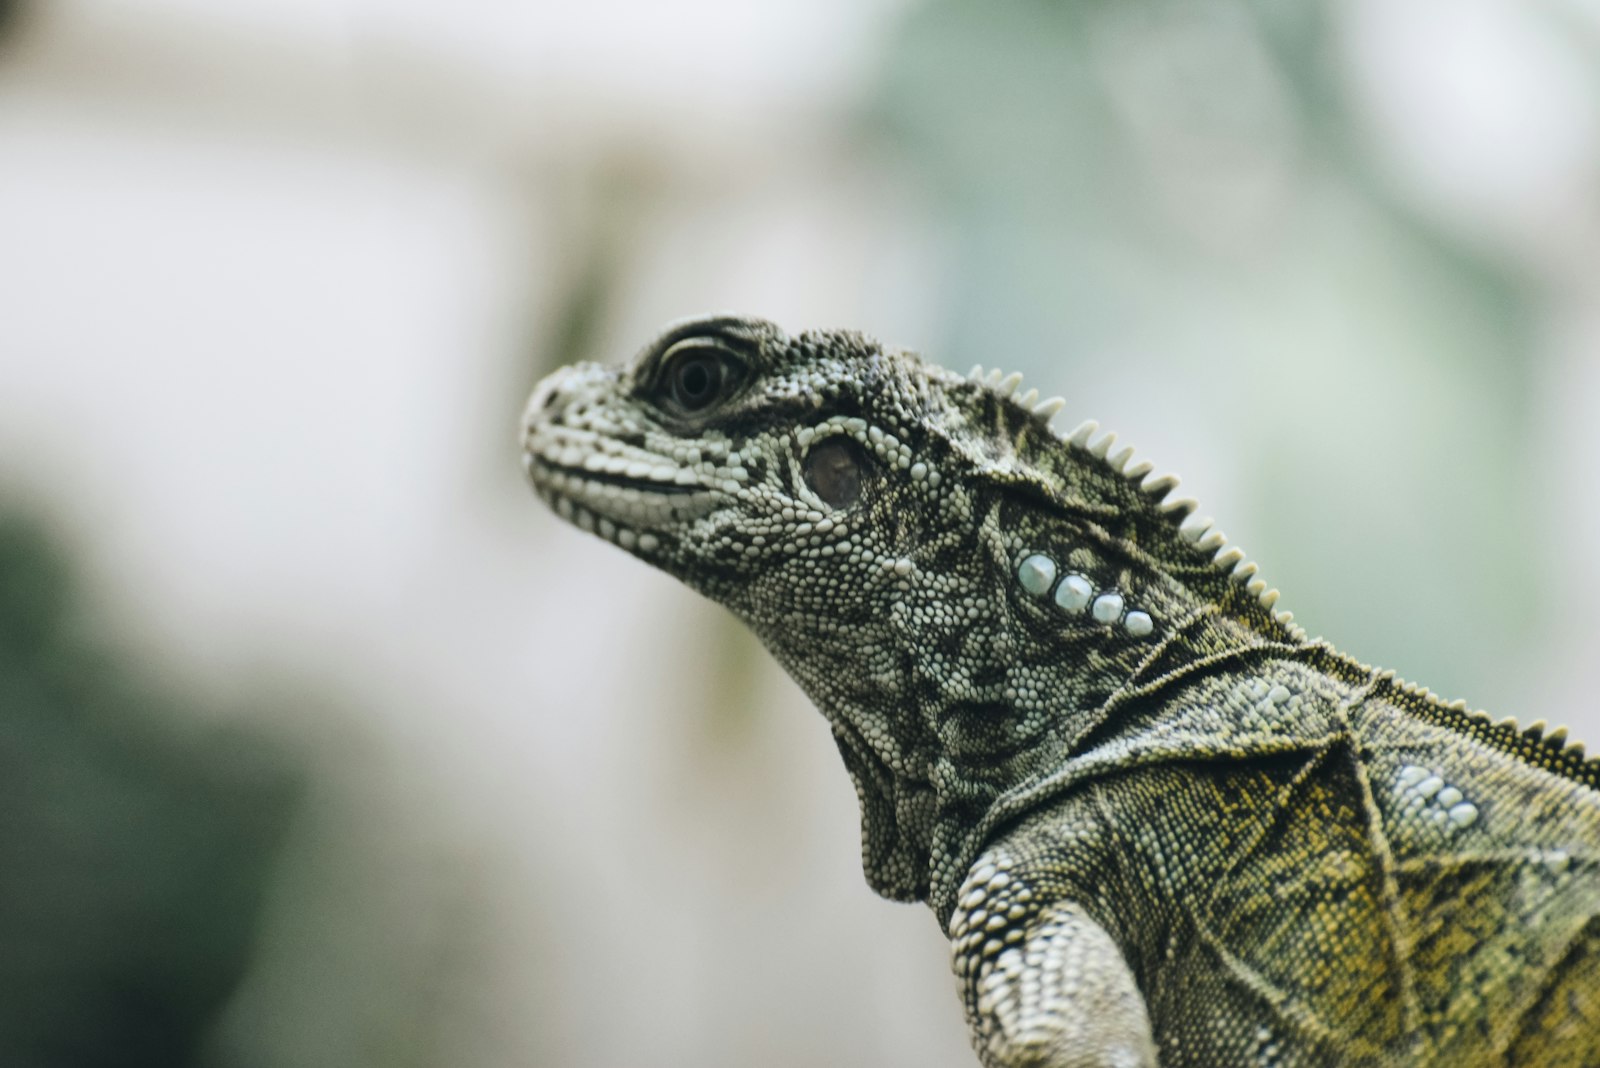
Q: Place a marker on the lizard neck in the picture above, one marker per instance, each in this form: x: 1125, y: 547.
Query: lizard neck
x: 987, y: 660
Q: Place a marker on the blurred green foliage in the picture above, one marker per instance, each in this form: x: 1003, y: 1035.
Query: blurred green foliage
x: 135, y: 843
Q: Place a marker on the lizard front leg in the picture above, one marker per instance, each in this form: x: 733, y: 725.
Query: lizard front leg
x: 1045, y: 986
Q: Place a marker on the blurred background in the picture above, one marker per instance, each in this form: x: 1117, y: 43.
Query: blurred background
x: 323, y: 744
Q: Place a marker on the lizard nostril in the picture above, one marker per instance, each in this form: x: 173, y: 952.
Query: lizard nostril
x: 548, y: 393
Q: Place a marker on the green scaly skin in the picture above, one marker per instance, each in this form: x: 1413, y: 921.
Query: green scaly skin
x: 1158, y: 823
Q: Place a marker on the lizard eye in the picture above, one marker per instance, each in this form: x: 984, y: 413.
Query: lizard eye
x: 835, y: 470
x: 696, y: 374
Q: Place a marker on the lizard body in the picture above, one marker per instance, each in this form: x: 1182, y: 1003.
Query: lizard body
x: 1158, y: 822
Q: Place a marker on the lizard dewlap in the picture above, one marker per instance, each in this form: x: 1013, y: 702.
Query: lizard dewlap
x: 1158, y: 822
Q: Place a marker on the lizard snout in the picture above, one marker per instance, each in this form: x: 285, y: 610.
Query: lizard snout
x: 547, y: 396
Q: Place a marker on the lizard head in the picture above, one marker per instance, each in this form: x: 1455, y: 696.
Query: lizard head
x: 725, y: 452
x: 952, y: 584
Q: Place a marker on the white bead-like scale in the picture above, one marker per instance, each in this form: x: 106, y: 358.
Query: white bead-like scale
x: 1036, y: 574
x: 1419, y: 790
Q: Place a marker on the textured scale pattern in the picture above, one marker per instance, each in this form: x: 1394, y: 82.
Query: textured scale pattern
x: 1158, y: 822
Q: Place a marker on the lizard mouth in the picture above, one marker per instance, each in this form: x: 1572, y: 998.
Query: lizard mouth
x: 607, y: 478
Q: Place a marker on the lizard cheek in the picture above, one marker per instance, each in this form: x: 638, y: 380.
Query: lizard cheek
x: 834, y: 470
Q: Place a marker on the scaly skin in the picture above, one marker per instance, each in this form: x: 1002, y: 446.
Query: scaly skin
x: 1158, y: 823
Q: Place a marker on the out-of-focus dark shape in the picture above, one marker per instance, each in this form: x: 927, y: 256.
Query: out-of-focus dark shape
x: 606, y: 214
x: 12, y: 15
x: 134, y: 843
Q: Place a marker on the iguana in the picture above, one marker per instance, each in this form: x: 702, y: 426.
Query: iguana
x: 1158, y: 823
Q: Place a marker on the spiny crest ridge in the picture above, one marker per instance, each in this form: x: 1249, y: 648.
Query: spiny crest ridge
x: 1159, y: 488
x: 1538, y: 732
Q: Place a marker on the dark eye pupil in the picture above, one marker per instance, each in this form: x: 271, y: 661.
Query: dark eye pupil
x: 695, y: 382
x: 833, y: 470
